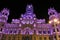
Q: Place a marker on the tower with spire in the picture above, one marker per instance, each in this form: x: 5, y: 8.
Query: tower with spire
x: 29, y: 14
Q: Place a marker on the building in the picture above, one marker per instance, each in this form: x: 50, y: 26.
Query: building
x: 28, y: 27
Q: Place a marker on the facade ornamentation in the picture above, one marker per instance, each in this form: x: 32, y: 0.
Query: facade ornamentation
x: 28, y: 27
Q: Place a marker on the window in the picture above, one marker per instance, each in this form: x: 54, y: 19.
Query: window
x: 15, y: 31
x: 40, y: 32
x: 44, y: 32
x: 57, y: 30
x: 53, y: 30
x: 10, y: 31
x: 49, y: 32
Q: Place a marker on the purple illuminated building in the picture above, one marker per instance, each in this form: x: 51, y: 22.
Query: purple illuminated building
x: 28, y: 27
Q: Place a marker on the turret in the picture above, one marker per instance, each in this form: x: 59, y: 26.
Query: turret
x: 29, y: 16
x: 29, y: 13
x: 4, y: 16
x: 52, y: 13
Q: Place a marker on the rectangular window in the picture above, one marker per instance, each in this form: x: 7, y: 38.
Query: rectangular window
x: 53, y: 30
x: 39, y: 32
x: 0, y: 29
x: 44, y: 32
x: 55, y: 37
x: 49, y: 32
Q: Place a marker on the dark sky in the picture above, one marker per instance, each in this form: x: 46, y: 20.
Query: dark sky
x: 40, y: 7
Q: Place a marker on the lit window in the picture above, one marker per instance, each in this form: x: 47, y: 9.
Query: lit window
x: 0, y: 29
x: 19, y: 31
x: 15, y: 31
x: 10, y: 31
x: 57, y: 30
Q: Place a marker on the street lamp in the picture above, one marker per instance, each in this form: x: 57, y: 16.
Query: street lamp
x: 55, y: 21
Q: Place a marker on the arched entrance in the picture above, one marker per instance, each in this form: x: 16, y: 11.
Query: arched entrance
x: 27, y: 37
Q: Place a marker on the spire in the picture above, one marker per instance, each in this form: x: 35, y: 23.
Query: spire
x: 29, y: 9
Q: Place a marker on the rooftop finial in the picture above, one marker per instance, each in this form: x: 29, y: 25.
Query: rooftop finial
x: 29, y: 9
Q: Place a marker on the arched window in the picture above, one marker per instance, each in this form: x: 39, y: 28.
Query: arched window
x: 10, y: 31
x: 0, y: 29
x: 57, y: 30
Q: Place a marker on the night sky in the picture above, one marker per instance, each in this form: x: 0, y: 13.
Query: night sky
x: 40, y: 7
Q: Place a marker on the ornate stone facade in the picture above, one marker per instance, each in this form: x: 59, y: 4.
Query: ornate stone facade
x: 28, y: 27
